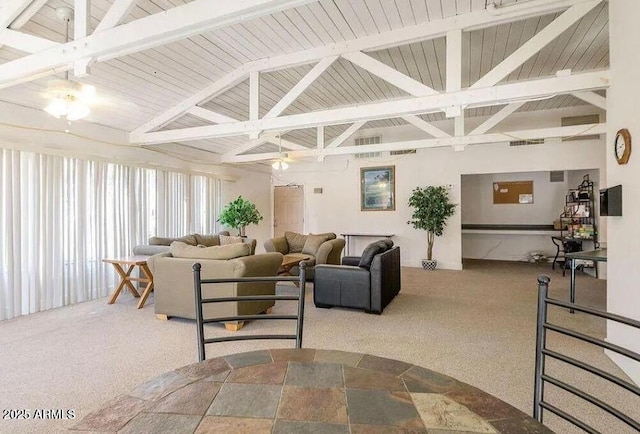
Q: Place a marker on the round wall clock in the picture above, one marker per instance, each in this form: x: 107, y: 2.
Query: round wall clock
x: 622, y: 146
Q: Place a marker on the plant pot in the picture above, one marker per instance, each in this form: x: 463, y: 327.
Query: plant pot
x: 429, y: 264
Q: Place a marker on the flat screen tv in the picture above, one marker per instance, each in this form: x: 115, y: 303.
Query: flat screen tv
x: 611, y: 201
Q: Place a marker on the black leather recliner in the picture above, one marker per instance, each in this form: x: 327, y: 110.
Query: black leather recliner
x: 368, y: 282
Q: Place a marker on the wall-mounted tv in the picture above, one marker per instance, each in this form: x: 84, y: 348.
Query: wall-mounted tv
x: 611, y: 201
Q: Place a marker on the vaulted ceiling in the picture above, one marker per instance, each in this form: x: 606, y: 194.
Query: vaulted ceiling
x: 135, y: 88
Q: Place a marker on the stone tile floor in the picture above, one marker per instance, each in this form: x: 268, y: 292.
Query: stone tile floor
x: 307, y: 391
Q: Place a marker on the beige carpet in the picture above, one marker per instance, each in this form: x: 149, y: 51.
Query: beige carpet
x: 477, y: 325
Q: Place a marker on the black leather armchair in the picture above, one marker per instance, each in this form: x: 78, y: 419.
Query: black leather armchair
x: 369, y: 282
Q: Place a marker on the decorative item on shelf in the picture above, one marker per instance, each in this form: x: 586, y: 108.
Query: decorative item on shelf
x: 622, y: 146
x: 240, y: 213
x: 432, y: 208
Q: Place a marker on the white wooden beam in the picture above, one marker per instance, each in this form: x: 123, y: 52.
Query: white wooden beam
x: 211, y: 116
x: 344, y: 136
x: 425, y: 126
x: 25, y: 42
x: 167, y: 26
x: 10, y: 10
x: 273, y: 137
x: 546, y: 133
x: 458, y: 125
x: 592, y: 98
x: 535, y: 44
x: 81, y: 29
x: 301, y: 86
x: 387, y: 73
x: 503, y: 93
x: 454, y: 68
x: 320, y: 137
x: 119, y: 10
x: 211, y: 91
x: 497, y: 118
x: 254, y: 100
x: 26, y: 14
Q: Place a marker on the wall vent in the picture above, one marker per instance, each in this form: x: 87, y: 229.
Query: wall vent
x: 580, y: 120
x: 556, y: 176
x: 403, y: 152
x: 526, y: 142
x: 373, y: 140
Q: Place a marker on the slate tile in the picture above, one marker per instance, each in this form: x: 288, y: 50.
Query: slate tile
x: 389, y: 366
x: 297, y: 427
x: 157, y: 423
x: 192, y: 399
x: 434, y: 382
x: 311, y: 374
x: 246, y: 400
x: 208, y: 368
x: 113, y: 415
x: 379, y: 407
x: 439, y: 412
x: 293, y: 355
x: 309, y: 404
x: 520, y: 425
x: 487, y: 406
x: 160, y: 386
x: 249, y: 359
x: 356, y: 378
x: 386, y: 429
x: 234, y: 425
x: 340, y: 357
x: 272, y: 373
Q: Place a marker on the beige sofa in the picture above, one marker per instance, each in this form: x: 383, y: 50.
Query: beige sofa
x: 174, y: 288
x: 320, y: 248
x: 157, y: 245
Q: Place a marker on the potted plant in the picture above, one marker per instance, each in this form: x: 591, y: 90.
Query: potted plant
x: 432, y: 208
x: 240, y: 213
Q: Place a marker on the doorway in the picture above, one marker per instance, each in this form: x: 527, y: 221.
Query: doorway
x: 288, y: 209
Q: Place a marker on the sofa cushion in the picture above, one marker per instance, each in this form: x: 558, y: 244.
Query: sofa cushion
x: 207, y: 240
x: 296, y: 241
x: 182, y: 250
x: 370, y: 251
x: 226, y: 239
x: 313, y: 243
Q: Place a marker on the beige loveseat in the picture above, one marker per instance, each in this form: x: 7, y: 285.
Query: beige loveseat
x: 174, y: 288
x: 319, y: 248
x: 157, y: 245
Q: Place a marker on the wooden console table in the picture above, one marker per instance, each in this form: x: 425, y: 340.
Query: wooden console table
x: 125, y: 277
x: 348, y: 239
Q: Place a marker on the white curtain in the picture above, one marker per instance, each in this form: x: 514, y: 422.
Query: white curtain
x: 59, y: 217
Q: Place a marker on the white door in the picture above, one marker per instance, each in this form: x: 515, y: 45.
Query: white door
x: 288, y: 206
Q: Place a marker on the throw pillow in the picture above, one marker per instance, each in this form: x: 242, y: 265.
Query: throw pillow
x: 313, y: 243
x: 159, y: 241
x: 369, y: 252
x: 296, y: 241
x: 231, y: 251
x: 225, y: 240
x: 207, y: 240
x: 188, y: 239
x: 388, y: 242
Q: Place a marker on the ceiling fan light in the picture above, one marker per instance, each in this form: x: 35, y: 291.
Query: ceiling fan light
x: 284, y: 165
x: 279, y: 165
x: 76, y: 110
x: 88, y: 92
x: 57, y: 107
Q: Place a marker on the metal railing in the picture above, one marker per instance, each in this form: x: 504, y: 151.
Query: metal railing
x: 542, y: 377
x: 201, y: 321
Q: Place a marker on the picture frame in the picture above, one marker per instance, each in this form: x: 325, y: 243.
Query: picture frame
x: 378, y: 188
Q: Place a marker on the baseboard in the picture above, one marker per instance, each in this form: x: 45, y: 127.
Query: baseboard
x: 628, y: 366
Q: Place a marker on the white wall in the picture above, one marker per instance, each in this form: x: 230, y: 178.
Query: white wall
x: 338, y: 208
x: 623, y: 238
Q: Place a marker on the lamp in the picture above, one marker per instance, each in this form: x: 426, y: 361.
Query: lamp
x: 69, y: 99
x: 280, y: 164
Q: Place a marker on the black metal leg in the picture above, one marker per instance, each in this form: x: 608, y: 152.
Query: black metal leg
x: 572, y: 284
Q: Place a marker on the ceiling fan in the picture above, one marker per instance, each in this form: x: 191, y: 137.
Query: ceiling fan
x: 68, y: 99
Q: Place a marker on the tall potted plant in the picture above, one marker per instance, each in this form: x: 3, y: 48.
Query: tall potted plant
x: 240, y: 213
x: 432, y: 208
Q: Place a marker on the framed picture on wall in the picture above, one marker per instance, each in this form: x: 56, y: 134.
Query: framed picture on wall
x: 378, y: 188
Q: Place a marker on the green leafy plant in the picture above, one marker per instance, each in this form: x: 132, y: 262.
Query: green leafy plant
x: 240, y: 213
x: 432, y: 208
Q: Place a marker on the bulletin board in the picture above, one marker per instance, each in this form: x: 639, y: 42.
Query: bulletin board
x: 510, y: 192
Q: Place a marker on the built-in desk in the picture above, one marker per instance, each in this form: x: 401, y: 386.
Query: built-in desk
x: 348, y: 239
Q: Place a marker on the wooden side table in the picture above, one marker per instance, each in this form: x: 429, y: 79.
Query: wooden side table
x: 125, y: 277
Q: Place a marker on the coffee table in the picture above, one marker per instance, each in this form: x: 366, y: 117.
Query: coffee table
x: 289, y: 261
x: 125, y: 277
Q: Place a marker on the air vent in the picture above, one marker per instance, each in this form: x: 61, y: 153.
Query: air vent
x: 581, y: 120
x: 526, y: 142
x: 373, y: 140
x: 556, y: 176
x: 404, y: 152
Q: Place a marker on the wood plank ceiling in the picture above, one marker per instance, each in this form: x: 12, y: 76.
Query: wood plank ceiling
x: 135, y: 88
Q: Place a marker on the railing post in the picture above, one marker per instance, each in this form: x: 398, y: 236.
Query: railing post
x: 303, y: 283
x: 538, y: 387
x: 199, y: 324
